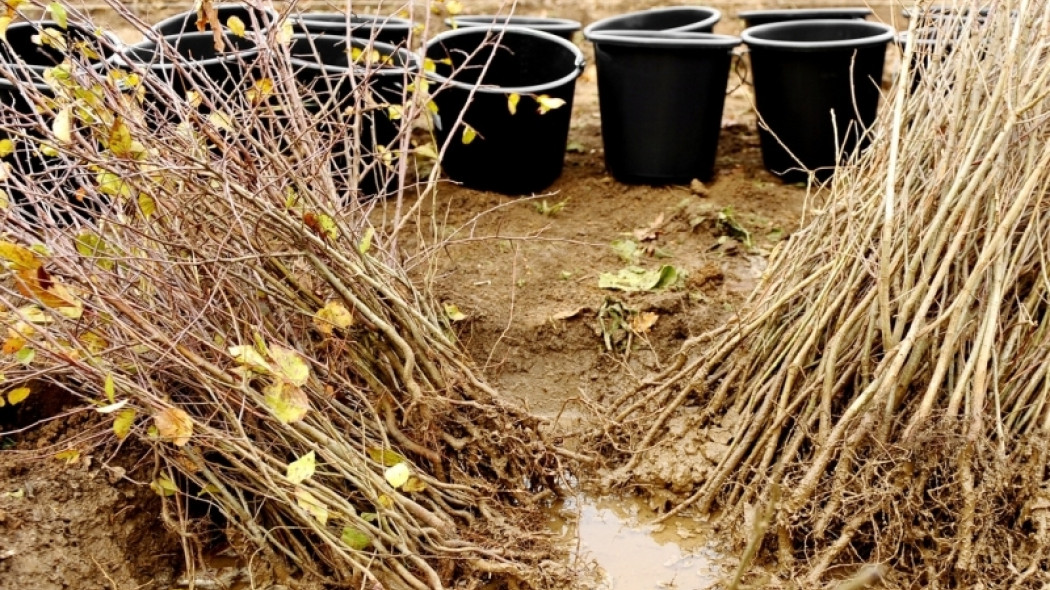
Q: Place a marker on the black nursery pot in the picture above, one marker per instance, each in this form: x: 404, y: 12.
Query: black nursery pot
x: 927, y: 45
x: 753, y: 18
x: 384, y: 29
x: 332, y: 83
x: 254, y: 19
x: 27, y: 62
x: 816, y: 86
x: 562, y: 27
x: 198, y: 66
x: 694, y: 19
x: 512, y: 153
x: 661, y: 97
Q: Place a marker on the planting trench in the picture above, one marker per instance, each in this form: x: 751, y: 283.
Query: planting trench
x: 525, y: 278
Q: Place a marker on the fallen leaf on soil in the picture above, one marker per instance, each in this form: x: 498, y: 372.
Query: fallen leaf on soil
x: 290, y: 365
x: 70, y: 456
x: 633, y: 279
x: 565, y: 315
x: 355, y: 539
x: 122, y: 424
x: 627, y: 250
x: 385, y: 457
x: 163, y: 486
x: 287, y: 402
x: 652, y: 232
x: 333, y: 315
x: 643, y: 322
x: 18, y: 395
x: 312, y: 505
x: 454, y: 313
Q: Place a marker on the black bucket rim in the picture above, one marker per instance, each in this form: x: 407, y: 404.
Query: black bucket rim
x: 927, y: 36
x: 545, y: 23
x: 880, y: 33
x: 713, y: 15
x: 571, y: 76
x: 806, y: 13
x: 411, y: 59
x: 673, y: 39
x: 126, y: 57
x: 360, y: 20
x: 181, y: 17
x: 110, y: 37
x: 946, y: 11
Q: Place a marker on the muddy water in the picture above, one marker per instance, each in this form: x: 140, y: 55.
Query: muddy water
x: 613, y: 545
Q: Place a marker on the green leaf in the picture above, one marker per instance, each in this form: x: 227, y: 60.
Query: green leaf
x: 633, y: 279
x: 58, y: 14
x: 355, y: 539
x: 302, y: 468
x: 122, y: 423
x: 163, y: 486
x: 469, y: 134
x: 110, y: 388
x: 25, y: 355
x: 627, y: 250
x: 385, y: 457
x: 397, y: 475
x: 453, y: 313
x: 90, y: 245
x: 147, y: 205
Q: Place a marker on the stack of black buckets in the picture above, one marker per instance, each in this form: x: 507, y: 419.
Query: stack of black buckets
x: 510, y: 81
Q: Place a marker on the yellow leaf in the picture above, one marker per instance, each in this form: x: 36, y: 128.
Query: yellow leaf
x: 414, y: 484
x: 18, y: 395
x: 512, y: 102
x: 366, y: 241
x: 260, y: 91
x: 290, y: 365
x: 302, y: 468
x: 385, y: 501
x: 120, y: 139
x: 122, y: 423
x: 355, y: 538
x: 312, y: 505
x: 14, y: 343
x: 110, y: 388
x: 5, y: 21
x: 58, y: 13
x: 19, y: 257
x: 453, y: 313
x: 468, y: 134
x: 548, y: 103
x: 194, y: 98
x: 163, y: 486
x: 174, y: 425
x: 70, y: 456
x: 50, y: 37
x: 147, y: 205
x: 385, y: 457
x: 236, y: 25
x: 394, y: 112
x: 62, y: 126
x: 333, y: 315
x: 288, y: 403
x: 112, y: 185
x: 222, y: 120
x: 7, y: 147
x: 284, y: 36
x: 246, y: 355
x: 427, y: 151
x: 397, y: 475
x: 454, y: 7
x: 209, y: 489
x: 5, y: 201
x: 328, y: 227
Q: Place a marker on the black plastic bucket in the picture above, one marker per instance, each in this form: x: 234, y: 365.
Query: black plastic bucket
x: 196, y: 66
x: 661, y: 97
x: 385, y: 29
x: 26, y: 62
x: 927, y: 44
x: 254, y: 19
x: 331, y: 83
x: 562, y: 27
x: 512, y: 153
x: 693, y: 19
x: 753, y: 18
x: 816, y: 87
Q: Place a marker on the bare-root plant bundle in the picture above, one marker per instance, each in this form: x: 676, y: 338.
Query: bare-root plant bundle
x: 883, y: 397
x: 200, y: 269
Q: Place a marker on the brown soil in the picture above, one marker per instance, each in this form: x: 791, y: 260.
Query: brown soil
x: 528, y: 284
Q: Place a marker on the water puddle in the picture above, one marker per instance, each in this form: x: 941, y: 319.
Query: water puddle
x: 611, y: 534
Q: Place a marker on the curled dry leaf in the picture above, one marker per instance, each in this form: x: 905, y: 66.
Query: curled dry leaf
x: 333, y: 315
x: 174, y: 425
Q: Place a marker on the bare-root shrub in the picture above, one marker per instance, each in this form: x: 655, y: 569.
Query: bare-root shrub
x: 202, y: 269
x: 883, y: 396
